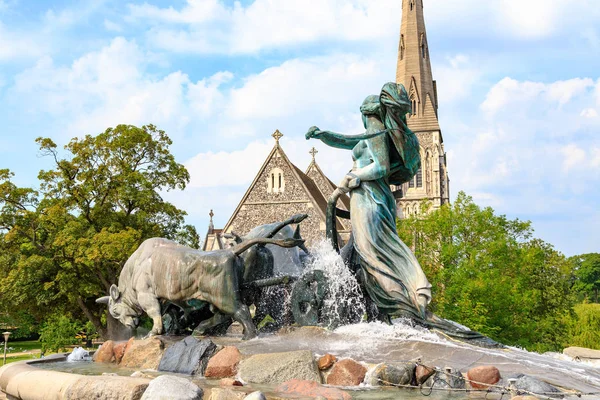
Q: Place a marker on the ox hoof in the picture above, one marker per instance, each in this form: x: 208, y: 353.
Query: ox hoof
x: 249, y: 335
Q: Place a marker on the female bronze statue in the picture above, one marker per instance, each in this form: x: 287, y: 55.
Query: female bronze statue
x: 387, y: 153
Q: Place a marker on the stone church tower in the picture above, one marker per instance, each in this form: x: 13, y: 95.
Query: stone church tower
x: 414, y: 72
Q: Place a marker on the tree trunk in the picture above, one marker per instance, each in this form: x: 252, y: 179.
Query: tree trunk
x: 102, y: 331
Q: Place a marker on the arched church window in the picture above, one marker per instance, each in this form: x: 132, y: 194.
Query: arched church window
x: 412, y: 4
x: 414, y: 106
x: 423, y: 52
x: 276, y: 181
x: 411, y: 183
x: 419, y: 178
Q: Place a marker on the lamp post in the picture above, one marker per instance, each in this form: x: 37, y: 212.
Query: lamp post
x: 6, y: 335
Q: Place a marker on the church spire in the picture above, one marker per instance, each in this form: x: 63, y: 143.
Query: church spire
x: 414, y: 68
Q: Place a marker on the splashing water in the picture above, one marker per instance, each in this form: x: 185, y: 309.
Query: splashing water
x: 344, y: 297
x: 79, y: 354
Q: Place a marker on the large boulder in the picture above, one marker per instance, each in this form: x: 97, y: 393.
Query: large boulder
x: 188, y: 356
x: 167, y: 387
x: 483, y: 376
x: 273, y: 368
x: 392, y: 374
x: 101, y: 387
x: 531, y: 384
x: 143, y: 354
x: 581, y: 353
x: 105, y: 353
x: 346, y: 373
x: 311, y: 389
x: 225, y: 394
x: 449, y: 378
x: 223, y: 364
x: 422, y: 373
x: 256, y: 396
x: 119, y: 351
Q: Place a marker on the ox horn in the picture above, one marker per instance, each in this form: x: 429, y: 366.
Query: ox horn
x: 103, y: 300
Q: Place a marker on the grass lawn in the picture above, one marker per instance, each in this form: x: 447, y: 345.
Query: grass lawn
x: 21, y: 346
x: 10, y: 359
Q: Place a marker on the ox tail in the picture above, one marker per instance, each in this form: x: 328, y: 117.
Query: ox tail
x: 290, y: 242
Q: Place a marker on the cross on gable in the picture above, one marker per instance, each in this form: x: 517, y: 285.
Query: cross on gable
x: 277, y: 135
x: 313, y: 152
x: 211, y: 214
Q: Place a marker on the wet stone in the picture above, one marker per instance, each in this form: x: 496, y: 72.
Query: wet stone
x: 346, y: 373
x: 311, y: 389
x: 531, y: 384
x: 105, y: 353
x: 326, y: 361
x: 448, y: 378
x: 143, y: 354
x: 223, y: 364
x: 172, y: 387
x: 392, y: 374
x: 422, y: 373
x: 188, y: 356
x: 483, y: 376
x: 274, y: 368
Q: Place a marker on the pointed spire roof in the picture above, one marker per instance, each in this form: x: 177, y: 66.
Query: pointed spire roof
x: 414, y: 68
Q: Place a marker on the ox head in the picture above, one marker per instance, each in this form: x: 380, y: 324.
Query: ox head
x: 119, y: 309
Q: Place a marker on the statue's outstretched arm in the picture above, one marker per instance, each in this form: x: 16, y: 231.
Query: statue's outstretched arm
x: 339, y: 140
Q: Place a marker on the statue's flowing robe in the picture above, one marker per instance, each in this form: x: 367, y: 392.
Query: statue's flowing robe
x: 392, y: 275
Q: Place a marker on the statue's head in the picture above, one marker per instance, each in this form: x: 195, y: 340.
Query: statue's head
x: 119, y: 309
x: 370, y: 106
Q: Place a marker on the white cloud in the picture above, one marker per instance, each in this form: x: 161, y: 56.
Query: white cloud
x: 508, y: 94
x: 215, y: 28
x: 211, y: 26
x: 589, y: 113
x: 595, y: 157
x: 455, y: 79
x: 574, y: 157
x: 16, y: 45
x: 112, y: 26
x: 103, y: 88
x: 530, y: 147
x: 300, y: 85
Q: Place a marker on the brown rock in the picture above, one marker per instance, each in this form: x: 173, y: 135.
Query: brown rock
x: 105, y: 353
x: 422, y: 373
x: 230, y: 382
x: 143, y: 354
x: 311, y: 389
x: 346, y: 373
x: 119, y: 351
x: 225, y: 394
x: 224, y: 363
x: 480, y: 376
x: 103, y: 387
x: 326, y: 361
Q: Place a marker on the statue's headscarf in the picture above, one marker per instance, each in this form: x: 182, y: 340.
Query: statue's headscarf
x: 405, y: 159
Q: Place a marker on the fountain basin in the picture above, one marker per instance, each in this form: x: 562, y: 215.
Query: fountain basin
x: 369, y: 344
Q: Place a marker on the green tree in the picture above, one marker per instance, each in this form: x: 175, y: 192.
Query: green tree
x: 65, y: 244
x: 488, y: 273
x: 58, y: 332
x: 587, y: 275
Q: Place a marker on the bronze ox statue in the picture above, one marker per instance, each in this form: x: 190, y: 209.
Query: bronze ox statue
x: 164, y: 270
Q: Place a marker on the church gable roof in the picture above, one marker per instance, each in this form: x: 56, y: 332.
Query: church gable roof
x: 302, y: 186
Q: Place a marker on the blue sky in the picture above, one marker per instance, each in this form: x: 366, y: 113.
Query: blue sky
x: 518, y: 82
